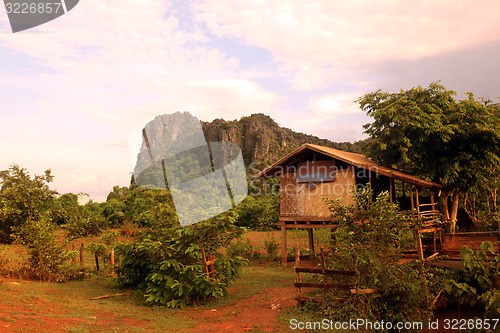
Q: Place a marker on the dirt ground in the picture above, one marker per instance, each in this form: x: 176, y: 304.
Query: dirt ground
x: 259, y: 312
x: 29, y: 306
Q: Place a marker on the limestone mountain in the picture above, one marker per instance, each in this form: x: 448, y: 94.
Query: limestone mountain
x: 262, y: 140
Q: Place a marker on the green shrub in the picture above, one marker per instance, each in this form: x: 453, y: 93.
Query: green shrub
x: 271, y: 247
x: 84, y: 221
x: 370, y: 239
x: 259, y: 213
x: 23, y: 199
x: 47, y: 259
x: 165, y: 263
x: 243, y: 249
x: 480, y: 280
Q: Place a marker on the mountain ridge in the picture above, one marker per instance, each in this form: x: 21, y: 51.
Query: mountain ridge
x: 262, y: 140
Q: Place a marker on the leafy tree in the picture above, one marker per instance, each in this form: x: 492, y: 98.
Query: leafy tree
x: 23, y: 199
x: 165, y: 262
x: 259, y: 212
x: 26, y: 218
x: 426, y: 132
x: 84, y: 220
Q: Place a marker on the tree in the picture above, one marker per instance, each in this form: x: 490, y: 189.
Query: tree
x: 23, y: 199
x: 426, y: 132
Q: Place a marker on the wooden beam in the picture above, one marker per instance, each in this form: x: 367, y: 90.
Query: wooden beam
x: 108, y: 296
x: 310, y: 226
x: 283, y: 245
x: 325, y: 271
x: 311, y: 240
x: 417, y: 202
x: 364, y: 291
x: 323, y: 285
x: 412, y: 203
x: 420, y: 251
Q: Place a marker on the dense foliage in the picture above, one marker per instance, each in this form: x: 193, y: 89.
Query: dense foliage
x: 23, y: 200
x: 426, y: 132
x: 165, y: 263
x: 479, y: 282
x: 26, y: 205
x: 370, y: 239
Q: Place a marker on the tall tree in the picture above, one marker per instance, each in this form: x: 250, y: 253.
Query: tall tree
x: 427, y: 132
x: 23, y: 199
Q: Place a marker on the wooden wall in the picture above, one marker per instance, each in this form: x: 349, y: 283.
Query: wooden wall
x: 304, y: 199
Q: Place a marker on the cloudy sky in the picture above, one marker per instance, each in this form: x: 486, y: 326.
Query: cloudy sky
x: 72, y: 90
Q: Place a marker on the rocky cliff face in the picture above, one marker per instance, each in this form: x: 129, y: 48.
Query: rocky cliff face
x: 262, y: 139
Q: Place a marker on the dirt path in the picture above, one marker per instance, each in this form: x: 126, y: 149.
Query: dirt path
x: 260, y: 311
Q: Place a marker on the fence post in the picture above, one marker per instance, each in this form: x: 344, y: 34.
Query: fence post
x: 81, y: 254
x: 113, y: 261
x: 96, y: 255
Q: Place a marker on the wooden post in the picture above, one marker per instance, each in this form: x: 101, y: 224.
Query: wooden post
x: 112, y: 259
x: 204, y: 258
x: 416, y: 200
x: 412, y: 204
x: 434, y: 235
x: 298, y: 279
x: 419, y: 246
x: 311, y: 241
x: 323, y: 263
x: 96, y: 261
x: 283, y: 245
x: 391, y: 192
x: 81, y: 254
x: 211, y: 266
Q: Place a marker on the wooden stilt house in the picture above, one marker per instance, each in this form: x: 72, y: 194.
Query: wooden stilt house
x: 312, y: 172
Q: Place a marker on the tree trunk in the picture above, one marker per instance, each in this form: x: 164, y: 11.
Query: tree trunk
x: 443, y: 204
x: 454, y: 210
x: 494, y: 199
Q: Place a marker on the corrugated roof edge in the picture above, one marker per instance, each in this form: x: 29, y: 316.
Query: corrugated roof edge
x: 350, y: 158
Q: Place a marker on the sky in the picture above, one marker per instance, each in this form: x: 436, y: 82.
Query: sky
x: 74, y: 89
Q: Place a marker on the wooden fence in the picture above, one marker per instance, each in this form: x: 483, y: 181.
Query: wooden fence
x: 328, y: 274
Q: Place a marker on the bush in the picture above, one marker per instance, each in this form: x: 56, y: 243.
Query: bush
x: 23, y: 199
x: 259, y: 213
x: 480, y: 280
x: 165, y: 263
x: 272, y: 247
x: 47, y: 258
x: 84, y: 221
x: 370, y: 239
x: 242, y: 249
